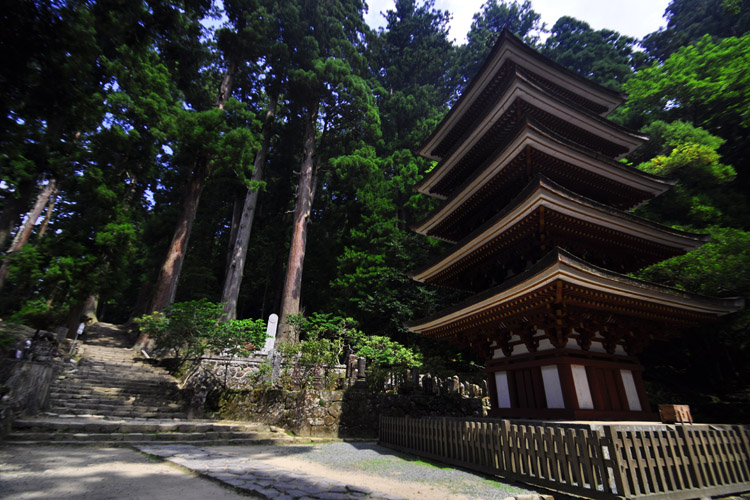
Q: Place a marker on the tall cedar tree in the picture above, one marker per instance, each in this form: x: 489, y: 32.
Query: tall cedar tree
x: 254, y: 31
x: 495, y: 15
x: 414, y: 63
x: 689, y: 20
x: 329, y: 95
x: 602, y: 56
x: 97, y: 131
x: 210, y: 125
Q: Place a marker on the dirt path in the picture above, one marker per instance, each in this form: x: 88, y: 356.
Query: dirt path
x: 87, y: 473
x: 379, y: 469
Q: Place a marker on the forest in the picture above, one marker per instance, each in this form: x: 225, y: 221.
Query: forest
x: 258, y: 154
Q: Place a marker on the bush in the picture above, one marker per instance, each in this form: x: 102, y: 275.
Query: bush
x: 192, y: 329
x: 37, y: 314
x: 324, y: 337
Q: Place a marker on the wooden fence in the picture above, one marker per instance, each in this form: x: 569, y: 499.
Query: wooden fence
x: 602, y: 462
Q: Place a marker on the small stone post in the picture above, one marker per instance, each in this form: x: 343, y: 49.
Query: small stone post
x: 273, y: 322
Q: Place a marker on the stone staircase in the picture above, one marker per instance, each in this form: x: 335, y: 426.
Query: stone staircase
x: 114, y: 396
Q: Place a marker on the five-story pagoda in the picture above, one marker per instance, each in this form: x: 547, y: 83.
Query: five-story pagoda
x: 534, y: 201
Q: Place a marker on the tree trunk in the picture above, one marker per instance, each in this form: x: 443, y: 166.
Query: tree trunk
x: 141, y: 302
x: 239, y: 248
x: 166, y: 285
x: 165, y: 288
x: 24, y: 233
x: 90, y: 307
x: 13, y: 208
x: 48, y: 215
x: 237, y: 206
x: 74, y: 319
x: 290, y: 299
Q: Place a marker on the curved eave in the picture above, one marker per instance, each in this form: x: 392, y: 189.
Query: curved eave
x: 523, y: 89
x: 533, y: 135
x: 543, y: 192
x: 560, y: 265
x: 510, y: 47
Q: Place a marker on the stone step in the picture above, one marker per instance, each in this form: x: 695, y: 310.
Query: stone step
x: 83, y: 412
x: 115, y: 393
x: 111, y: 384
x: 73, y: 385
x: 119, y: 405
x: 82, y: 385
x: 138, y: 436
x: 129, y: 365
x: 99, y: 431
x: 86, y: 384
x: 111, y: 370
x: 116, y: 375
x: 208, y: 442
x: 133, y: 425
x: 123, y: 376
x: 158, y: 399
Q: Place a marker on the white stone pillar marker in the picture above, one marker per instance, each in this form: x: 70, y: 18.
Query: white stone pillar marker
x: 273, y: 321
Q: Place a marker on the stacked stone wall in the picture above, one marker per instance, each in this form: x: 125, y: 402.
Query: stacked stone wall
x: 348, y: 413
x: 25, y: 389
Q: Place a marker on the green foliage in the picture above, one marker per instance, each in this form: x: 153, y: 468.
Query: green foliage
x: 37, y: 314
x: 689, y: 155
x: 721, y: 267
x: 192, y: 329
x: 689, y: 20
x: 713, y: 357
x: 324, y: 337
x: 705, y: 84
x: 519, y: 18
x: 603, y: 56
x: 414, y: 60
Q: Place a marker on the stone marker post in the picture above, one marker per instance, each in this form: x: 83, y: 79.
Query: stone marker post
x: 273, y: 322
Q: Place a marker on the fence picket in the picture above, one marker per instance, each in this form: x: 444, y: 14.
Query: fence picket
x: 495, y: 458
x: 572, y: 454
x: 669, y: 461
x: 736, y: 452
x: 555, y: 474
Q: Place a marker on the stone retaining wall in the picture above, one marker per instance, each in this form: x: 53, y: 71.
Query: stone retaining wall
x: 27, y: 384
x: 225, y: 372
x: 350, y: 413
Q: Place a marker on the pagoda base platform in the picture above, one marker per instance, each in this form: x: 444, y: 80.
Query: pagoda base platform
x: 568, y: 384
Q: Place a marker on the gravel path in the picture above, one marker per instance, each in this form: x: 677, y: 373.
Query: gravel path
x: 331, y: 471
x: 356, y: 470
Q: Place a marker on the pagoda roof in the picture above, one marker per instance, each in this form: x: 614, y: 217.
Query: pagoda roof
x: 524, y: 98
x: 483, y: 90
x: 561, y: 279
x: 546, y: 202
x: 618, y: 184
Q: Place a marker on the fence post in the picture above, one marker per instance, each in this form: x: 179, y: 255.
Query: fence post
x: 444, y: 439
x: 613, y: 448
